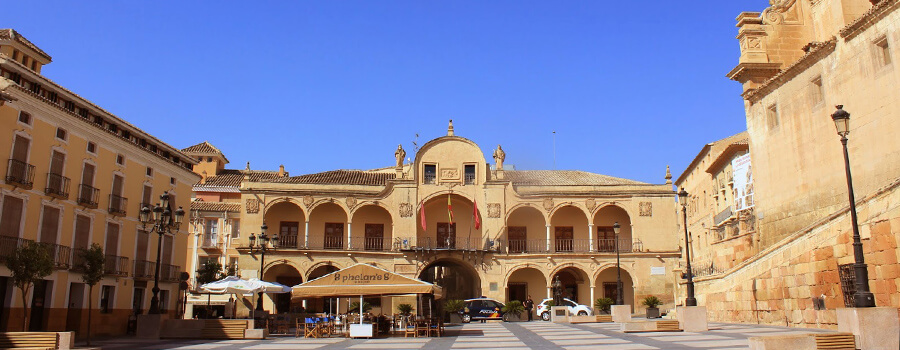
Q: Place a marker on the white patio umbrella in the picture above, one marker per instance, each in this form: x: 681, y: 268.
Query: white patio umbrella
x: 269, y: 287
x: 231, y: 285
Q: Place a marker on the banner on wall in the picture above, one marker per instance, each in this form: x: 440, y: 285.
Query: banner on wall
x: 743, y: 183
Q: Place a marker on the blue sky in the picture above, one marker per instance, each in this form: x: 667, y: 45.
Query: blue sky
x: 629, y: 87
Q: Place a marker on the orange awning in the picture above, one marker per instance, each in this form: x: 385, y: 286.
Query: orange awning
x: 363, y: 279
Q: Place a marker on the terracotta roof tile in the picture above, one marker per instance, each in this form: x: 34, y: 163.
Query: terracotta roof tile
x: 215, y: 206
x: 564, y: 178
x: 233, y: 178
x: 12, y: 34
x: 340, y: 177
x: 204, y: 147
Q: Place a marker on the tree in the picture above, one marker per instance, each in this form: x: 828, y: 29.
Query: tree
x: 209, y: 271
x: 29, y: 263
x: 92, y: 270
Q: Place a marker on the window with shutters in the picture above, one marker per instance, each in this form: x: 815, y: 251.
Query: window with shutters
x: 147, y: 197
x: 92, y: 148
x: 167, y: 250
x: 50, y: 225
x: 112, y: 239
x: 334, y: 235
x: 25, y: 118
x: 82, y: 232
x: 11, y: 217
x: 62, y: 134
x: 143, y: 243
x: 106, y: 299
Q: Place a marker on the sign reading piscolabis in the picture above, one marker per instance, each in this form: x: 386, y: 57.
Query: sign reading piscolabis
x: 743, y: 183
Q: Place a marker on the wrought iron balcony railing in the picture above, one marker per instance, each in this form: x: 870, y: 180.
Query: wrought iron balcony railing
x: 57, y: 186
x: 117, y: 205
x: 20, y: 173
x: 116, y: 265
x: 88, y: 196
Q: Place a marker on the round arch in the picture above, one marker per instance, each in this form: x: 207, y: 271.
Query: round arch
x: 329, y: 305
x: 526, y: 280
x: 285, y: 274
x: 525, y: 230
x: 575, y: 280
x: 328, y: 225
x: 459, y: 279
x: 371, y: 227
x: 603, y: 220
x: 439, y: 233
x: 526, y: 205
x: 279, y: 200
x: 569, y: 229
x: 286, y: 218
x: 605, y: 284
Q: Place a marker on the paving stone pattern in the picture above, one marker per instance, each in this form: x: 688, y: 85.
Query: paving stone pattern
x: 501, y: 336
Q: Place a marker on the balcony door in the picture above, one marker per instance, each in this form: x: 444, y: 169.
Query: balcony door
x: 606, y: 239
x: 334, y: 235
x: 374, y: 237
x: 287, y: 233
x: 446, y: 235
x: 517, y: 236
x: 564, y: 235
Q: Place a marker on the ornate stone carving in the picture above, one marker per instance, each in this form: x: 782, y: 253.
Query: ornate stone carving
x: 449, y: 174
x: 493, y: 210
x: 308, y: 200
x: 777, y: 12
x: 351, y: 202
x: 646, y: 209
x: 252, y: 206
x: 548, y: 204
x: 406, y: 210
x: 590, y: 204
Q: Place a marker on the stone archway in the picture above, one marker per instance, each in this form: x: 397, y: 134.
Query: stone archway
x: 605, y: 285
x: 458, y: 278
x: 440, y: 232
x: 286, y: 275
x: 328, y: 305
x: 286, y: 219
x: 371, y: 228
x: 605, y: 237
x: 576, y: 284
x: 526, y: 230
x: 569, y: 230
x: 525, y: 281
x: 327, y: 227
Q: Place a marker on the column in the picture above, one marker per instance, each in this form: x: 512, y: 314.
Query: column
x: 591, y: 304
x: 306, y: 239
x: 349, y: 235
x: 548, y: 238
x: 591, y: 245
x: 194, y: 263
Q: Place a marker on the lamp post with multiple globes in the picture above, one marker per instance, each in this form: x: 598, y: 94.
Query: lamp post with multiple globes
x: 260, y: 243
x: 162, y: 222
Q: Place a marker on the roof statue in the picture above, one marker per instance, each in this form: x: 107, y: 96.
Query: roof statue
x: 400, y: 154
x: 450, y: 128
x: 499, y: 157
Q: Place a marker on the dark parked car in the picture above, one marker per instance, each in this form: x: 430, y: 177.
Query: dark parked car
x: 481, y: 309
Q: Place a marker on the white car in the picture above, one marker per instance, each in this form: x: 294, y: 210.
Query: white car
x: 574, y: 309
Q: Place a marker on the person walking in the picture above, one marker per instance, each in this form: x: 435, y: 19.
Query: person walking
x: 529, y: 305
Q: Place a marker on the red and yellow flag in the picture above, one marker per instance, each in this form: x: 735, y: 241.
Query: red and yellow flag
x: 449, y: 210
x: 422, y: 214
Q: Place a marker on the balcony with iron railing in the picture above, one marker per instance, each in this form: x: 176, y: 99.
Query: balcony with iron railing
x: 19, y: 173
x: 369, y: 243
x: 209, y: 241
x: 88, y: 196
x: 469, y: 179
x: 169, y: 273
x: 116, y: 265
x: 62, y: 255
x: 8, y: 246
x: 144, y: 270
x: 57, y: 186
x: 117, y: 205
x: 448, y: 243
x: 331, y: 242
x: 525, y: 246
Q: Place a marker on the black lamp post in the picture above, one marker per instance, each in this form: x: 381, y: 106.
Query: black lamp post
x: 620, y: 299
x: 863, y: 297
x: 262, y: 246
x: 161, y: 222
x: 689, y: 275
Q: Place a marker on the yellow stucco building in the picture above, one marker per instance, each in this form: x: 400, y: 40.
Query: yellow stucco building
x: 531, y: 226
x: 74, y: 175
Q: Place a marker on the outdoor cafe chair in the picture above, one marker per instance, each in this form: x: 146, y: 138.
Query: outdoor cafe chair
x: 311, y: 328
x: 436, y: 328
x: 410, y: 329
x: 421, y: 327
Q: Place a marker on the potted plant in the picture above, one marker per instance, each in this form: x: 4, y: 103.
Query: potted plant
x: 602, y: 305
x: 453, y: 307
x: 652, y: 303
x: 512, y: 311
x: 354, y: 307
x: 404, y: 309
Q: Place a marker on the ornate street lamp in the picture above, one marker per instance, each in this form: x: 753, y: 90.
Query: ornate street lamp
x: 161, y: 222
x: 863, y: 297
x: 260, y: 243
x: 620, y: 299
x: 689, y: 275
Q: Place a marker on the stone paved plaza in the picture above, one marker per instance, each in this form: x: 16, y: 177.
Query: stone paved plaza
x: 503, y: 336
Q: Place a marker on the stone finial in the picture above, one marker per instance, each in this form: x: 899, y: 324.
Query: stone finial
x: 668, y: 176
x: 450, y: 128
x: 247, y: 172
x: 248, y: 167
x: 281, y: 172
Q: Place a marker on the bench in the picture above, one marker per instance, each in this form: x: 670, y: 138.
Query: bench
x: 651, y: 326
x: 29, y: 340
x: 224, y: 329
x: 590, y: 319
x: 808, y: 341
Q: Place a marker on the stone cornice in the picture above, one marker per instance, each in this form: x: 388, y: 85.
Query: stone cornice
x: 869, y: 18
x: 816, y: 51
x: 745, y: 71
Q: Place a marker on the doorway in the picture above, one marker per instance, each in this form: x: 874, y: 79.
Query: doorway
x: 38, y: 300
x: 516, y: 291
x: 75, y: 303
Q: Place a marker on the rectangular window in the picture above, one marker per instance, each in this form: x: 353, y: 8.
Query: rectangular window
x: 98, y: 120
x: 92, y: 147
x: 167, y: 250
x: 334, y: 235
x: 430, y: 173
x: 11, y: 217
x: 112, y: 240
x: 816, y: 91
x: 15, y: 56
x: 164, y: 301
x: 57, y: 160
x: 53, y: 97
x: 70, y: 106
x: 49, y: 225
x: 146, y: 197
x: 35, y: 88
x: 564, y: 241
x: 772, y: 117
x: 120, y: 159
x: 149, y: 171
x: 172, y: 180
x: 62, y: 134
x: 83, y: 112
x: 24, y: 118
x: 469, y: 174
x: 446, y: 235
x: 82, y: 231
x: 517, y: 235
x: 883, y: 51
x: 374, y: 239
x: 143, y: 244
x: 106, y: 298
x: 33, y: 65
x: 16, y: 77
x: 235, y: 228
x: 112, y: 127
x: 212, y: 227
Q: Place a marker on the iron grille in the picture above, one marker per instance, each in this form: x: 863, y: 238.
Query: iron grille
x: 848, y: 283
